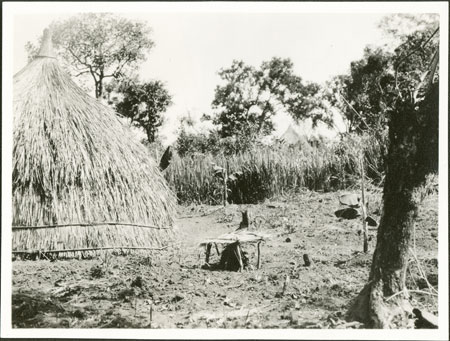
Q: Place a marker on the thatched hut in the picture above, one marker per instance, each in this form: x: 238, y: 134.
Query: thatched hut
x: 290, y: 136
x: 81, y: 181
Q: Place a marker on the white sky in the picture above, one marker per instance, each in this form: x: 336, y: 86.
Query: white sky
x: 191, y: 48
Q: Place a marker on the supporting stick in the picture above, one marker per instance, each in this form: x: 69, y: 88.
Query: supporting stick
x: 151, y: 314
x: 363, y: 203
x: 208, y: 252
x: 217, y: 249
x: 239, y: 256
x: 41, y: 252
x: 225, y: 187
x: 258, y: 265
x: 105, y: 223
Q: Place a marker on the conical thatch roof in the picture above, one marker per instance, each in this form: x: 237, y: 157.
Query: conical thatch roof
x: 290, y: 136
x: 80, y: 179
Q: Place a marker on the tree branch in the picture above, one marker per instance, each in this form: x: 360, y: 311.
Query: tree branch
x: 81, y: 73
x: 421, y: 46
x: 354, y: 110
x: 77, y: 58
x: 119, y: 68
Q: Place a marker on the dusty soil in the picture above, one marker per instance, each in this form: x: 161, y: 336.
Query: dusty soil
x: 169, y: 289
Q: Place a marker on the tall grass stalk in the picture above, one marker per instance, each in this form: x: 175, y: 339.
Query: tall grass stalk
x: 271, y: 170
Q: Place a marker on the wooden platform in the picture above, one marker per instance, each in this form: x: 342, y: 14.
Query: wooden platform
x: 238, y: 237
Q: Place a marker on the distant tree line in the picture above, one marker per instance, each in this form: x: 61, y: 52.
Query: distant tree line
x: 105, y: 50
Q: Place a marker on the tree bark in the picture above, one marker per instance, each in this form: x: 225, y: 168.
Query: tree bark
x: 150, y: 134
x: 413, y: 150
x: 100, y: 88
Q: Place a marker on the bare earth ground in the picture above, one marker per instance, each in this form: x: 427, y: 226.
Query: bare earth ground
x: 171, y: 290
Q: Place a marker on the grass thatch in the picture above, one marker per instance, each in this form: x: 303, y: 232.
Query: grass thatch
x: 74, y: 162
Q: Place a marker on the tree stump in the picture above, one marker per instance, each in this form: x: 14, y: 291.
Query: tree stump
x: 246, y: 220
x: 306, y: 260
x: 208, y: 253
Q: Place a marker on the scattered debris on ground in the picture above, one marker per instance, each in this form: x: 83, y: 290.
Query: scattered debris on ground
x: 312, y: 267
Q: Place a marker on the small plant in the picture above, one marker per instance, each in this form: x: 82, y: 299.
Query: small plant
x: 290, y: 227
x: 97, y: 271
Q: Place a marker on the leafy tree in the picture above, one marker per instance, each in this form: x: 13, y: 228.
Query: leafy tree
x: 250, y: 97
x: 100, y: 45
x: 143, y: 104
x: 360, y: 95
x: 370, y: 91
x: 189, y: 143
x: 195, y: 142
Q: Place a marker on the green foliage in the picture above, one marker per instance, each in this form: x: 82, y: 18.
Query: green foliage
x: 250, y: 97
x: 385, y: 76
x: 360, y: 95
x: 191, y: 143
x: 264, y: 171
x: 100, y: 45
x: 188, y: 144
x: 143, y: 104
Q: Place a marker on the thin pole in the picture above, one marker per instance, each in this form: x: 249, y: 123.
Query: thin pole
x: 363, y: 202
x: 239, y: 256
x: 217, y: 249
x: 225, y: 187
x: 208, y: 252
x: 90, y: 249
x: 258, y: 265
x: 87, y: 224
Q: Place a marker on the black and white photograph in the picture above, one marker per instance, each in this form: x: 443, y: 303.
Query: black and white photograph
x: 230, y: 170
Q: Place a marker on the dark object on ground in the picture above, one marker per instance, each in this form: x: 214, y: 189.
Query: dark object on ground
x: 347, y: 213
x: 165, y: 159
x: 206, y: 266
x: 370, y: 221
x: 425, y: 320
x: 246, y: 221
x: 351, y: 200
x: 273, y: 206
x: 177, y: 298
x: 288, y: 240
x: 26, y: 306
x: 306, y: 260
x: 229, y: 259
x: 97, y: 272
x: 432, y: 279
x: 137, y: 282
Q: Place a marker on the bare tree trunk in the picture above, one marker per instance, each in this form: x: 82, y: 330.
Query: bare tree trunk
x: 150, y: 134
x: 98, y: 87
x: 413, y: 134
